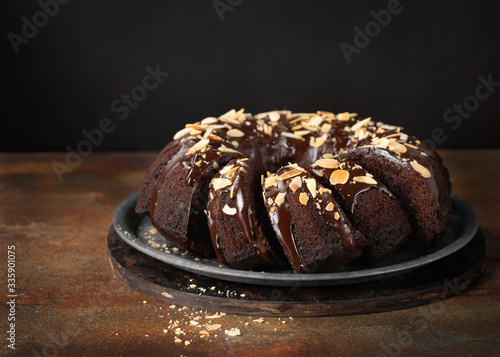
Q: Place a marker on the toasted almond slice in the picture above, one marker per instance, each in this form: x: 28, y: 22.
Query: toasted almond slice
x: 361, y: 123
x: 271, y: 181
x: 295, y: 183
x: 420, y: 169
x: 328, y: 156
x: 330, y: 206
x: 325, y: 127
x: 311, y: 185
x: 274, y: 116
x: 395, y: 146
x: 365, y: 179
x: 230, y: 114
x: 381, y: 143
x: 327, y: 163
x: 270, y: 201
x: 225, y: 149
x: 280, y: 198
x: 318, y: 141
x: 403, y: 137
x: 303, y: 198
x: 239, y: 112
x: 209, y: 120
x: 182, y: 133
x: 336, y: 216
x: 411, y: 146
x: 229, y: 210
x: 288, y: 135
x: 343, y: 116
x: 213, y: 327
x: 289, y: 174
x: 324, y: 190
x: 232, y: 171
x: 235, y: 133
x: 226, y: 169
x: 339, y: 177
x: 200, y: 145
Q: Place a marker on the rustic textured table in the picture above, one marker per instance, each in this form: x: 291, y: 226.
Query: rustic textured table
x: 68, y: 302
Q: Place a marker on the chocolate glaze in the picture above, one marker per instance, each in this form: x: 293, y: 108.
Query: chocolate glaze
x: 245, y: 215
x: 351, y: 189
x: 281, y: 218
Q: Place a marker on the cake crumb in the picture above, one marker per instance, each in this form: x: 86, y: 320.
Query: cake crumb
x: 233, y: 332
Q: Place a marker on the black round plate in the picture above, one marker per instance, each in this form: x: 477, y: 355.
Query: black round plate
x: 138, y: 231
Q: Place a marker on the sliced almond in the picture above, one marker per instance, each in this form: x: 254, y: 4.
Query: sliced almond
x: 303, y: 198
x: 327, y: 163
x: 271, y: 181
x: 235, y: 133
x: 395, y: 146
x: 323, y: 190
x: 213, y: 327
x: 316, y: 143
x: 226, y: 169
x: 327, y: 156
x: 365, y: 179
x: 295, y: 183
x: 420, y: 169
x: 361, y: 123
x: 411, y: 146
x: 182, y: 133
x: 311, y: 185
x: 270, y: 201
x: 289, y: 174
x: 209, y: 120
x: 336, y: 216
x: 200, y: 145
x: 325, y: 127
x: 339, y: 177
x: 280, y: 198
x: 288, y: 135
x: 230, y: 114
x: 225, y: 149
x: 214, y: 137
x: 229, y: 210
x: 330, y: 206
x: 343, y: 116
x: 274, y: 116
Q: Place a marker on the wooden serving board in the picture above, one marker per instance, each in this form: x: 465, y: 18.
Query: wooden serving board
x: 447, y: 277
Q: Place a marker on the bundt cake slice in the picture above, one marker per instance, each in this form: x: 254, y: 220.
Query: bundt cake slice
x: 180, y: 194
x: 313, y: 230
x: 367, y: 203
x: 411, y: 170
x: 239, y: 226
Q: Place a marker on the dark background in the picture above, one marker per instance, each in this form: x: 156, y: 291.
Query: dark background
x: 264, y: 55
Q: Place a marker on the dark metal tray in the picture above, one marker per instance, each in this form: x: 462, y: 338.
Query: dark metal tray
x: 138, y: 231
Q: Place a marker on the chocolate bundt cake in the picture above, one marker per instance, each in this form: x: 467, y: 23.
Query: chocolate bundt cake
x: 338, y: 187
